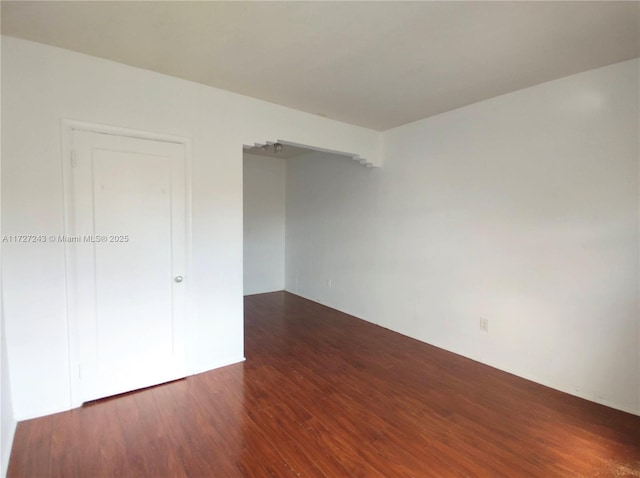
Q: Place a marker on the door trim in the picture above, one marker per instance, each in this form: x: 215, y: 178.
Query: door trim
x: 68, y: 126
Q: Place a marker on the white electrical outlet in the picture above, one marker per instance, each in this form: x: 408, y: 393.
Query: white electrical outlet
x: 329, y: 283
x: 484, y: 324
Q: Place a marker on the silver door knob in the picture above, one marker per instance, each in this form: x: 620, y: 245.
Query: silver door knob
x: 179, y: 279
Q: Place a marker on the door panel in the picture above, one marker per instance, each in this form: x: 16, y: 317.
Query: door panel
x: 129, y: 204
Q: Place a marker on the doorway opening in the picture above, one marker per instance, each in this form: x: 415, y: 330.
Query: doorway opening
x: 264, y: 215
x: 265, y: 194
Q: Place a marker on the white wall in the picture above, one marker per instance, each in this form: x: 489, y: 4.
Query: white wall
x: 7, y: 421
x: 522, y: 209
x: 264, y: 221
x: 332, y: 233
x: 40, y: 86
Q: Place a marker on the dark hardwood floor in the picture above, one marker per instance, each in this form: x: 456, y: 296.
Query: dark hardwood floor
x: 323, y: 394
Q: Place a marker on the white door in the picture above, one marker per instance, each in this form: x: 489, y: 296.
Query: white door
x: 129, y: 256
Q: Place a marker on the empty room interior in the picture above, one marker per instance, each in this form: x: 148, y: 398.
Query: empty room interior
x: 320, y: 239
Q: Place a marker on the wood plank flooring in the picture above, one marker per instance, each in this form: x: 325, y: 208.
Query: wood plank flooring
x: 323, y: 394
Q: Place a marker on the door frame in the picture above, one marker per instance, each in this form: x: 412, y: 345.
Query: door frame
x: 68, y: 126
